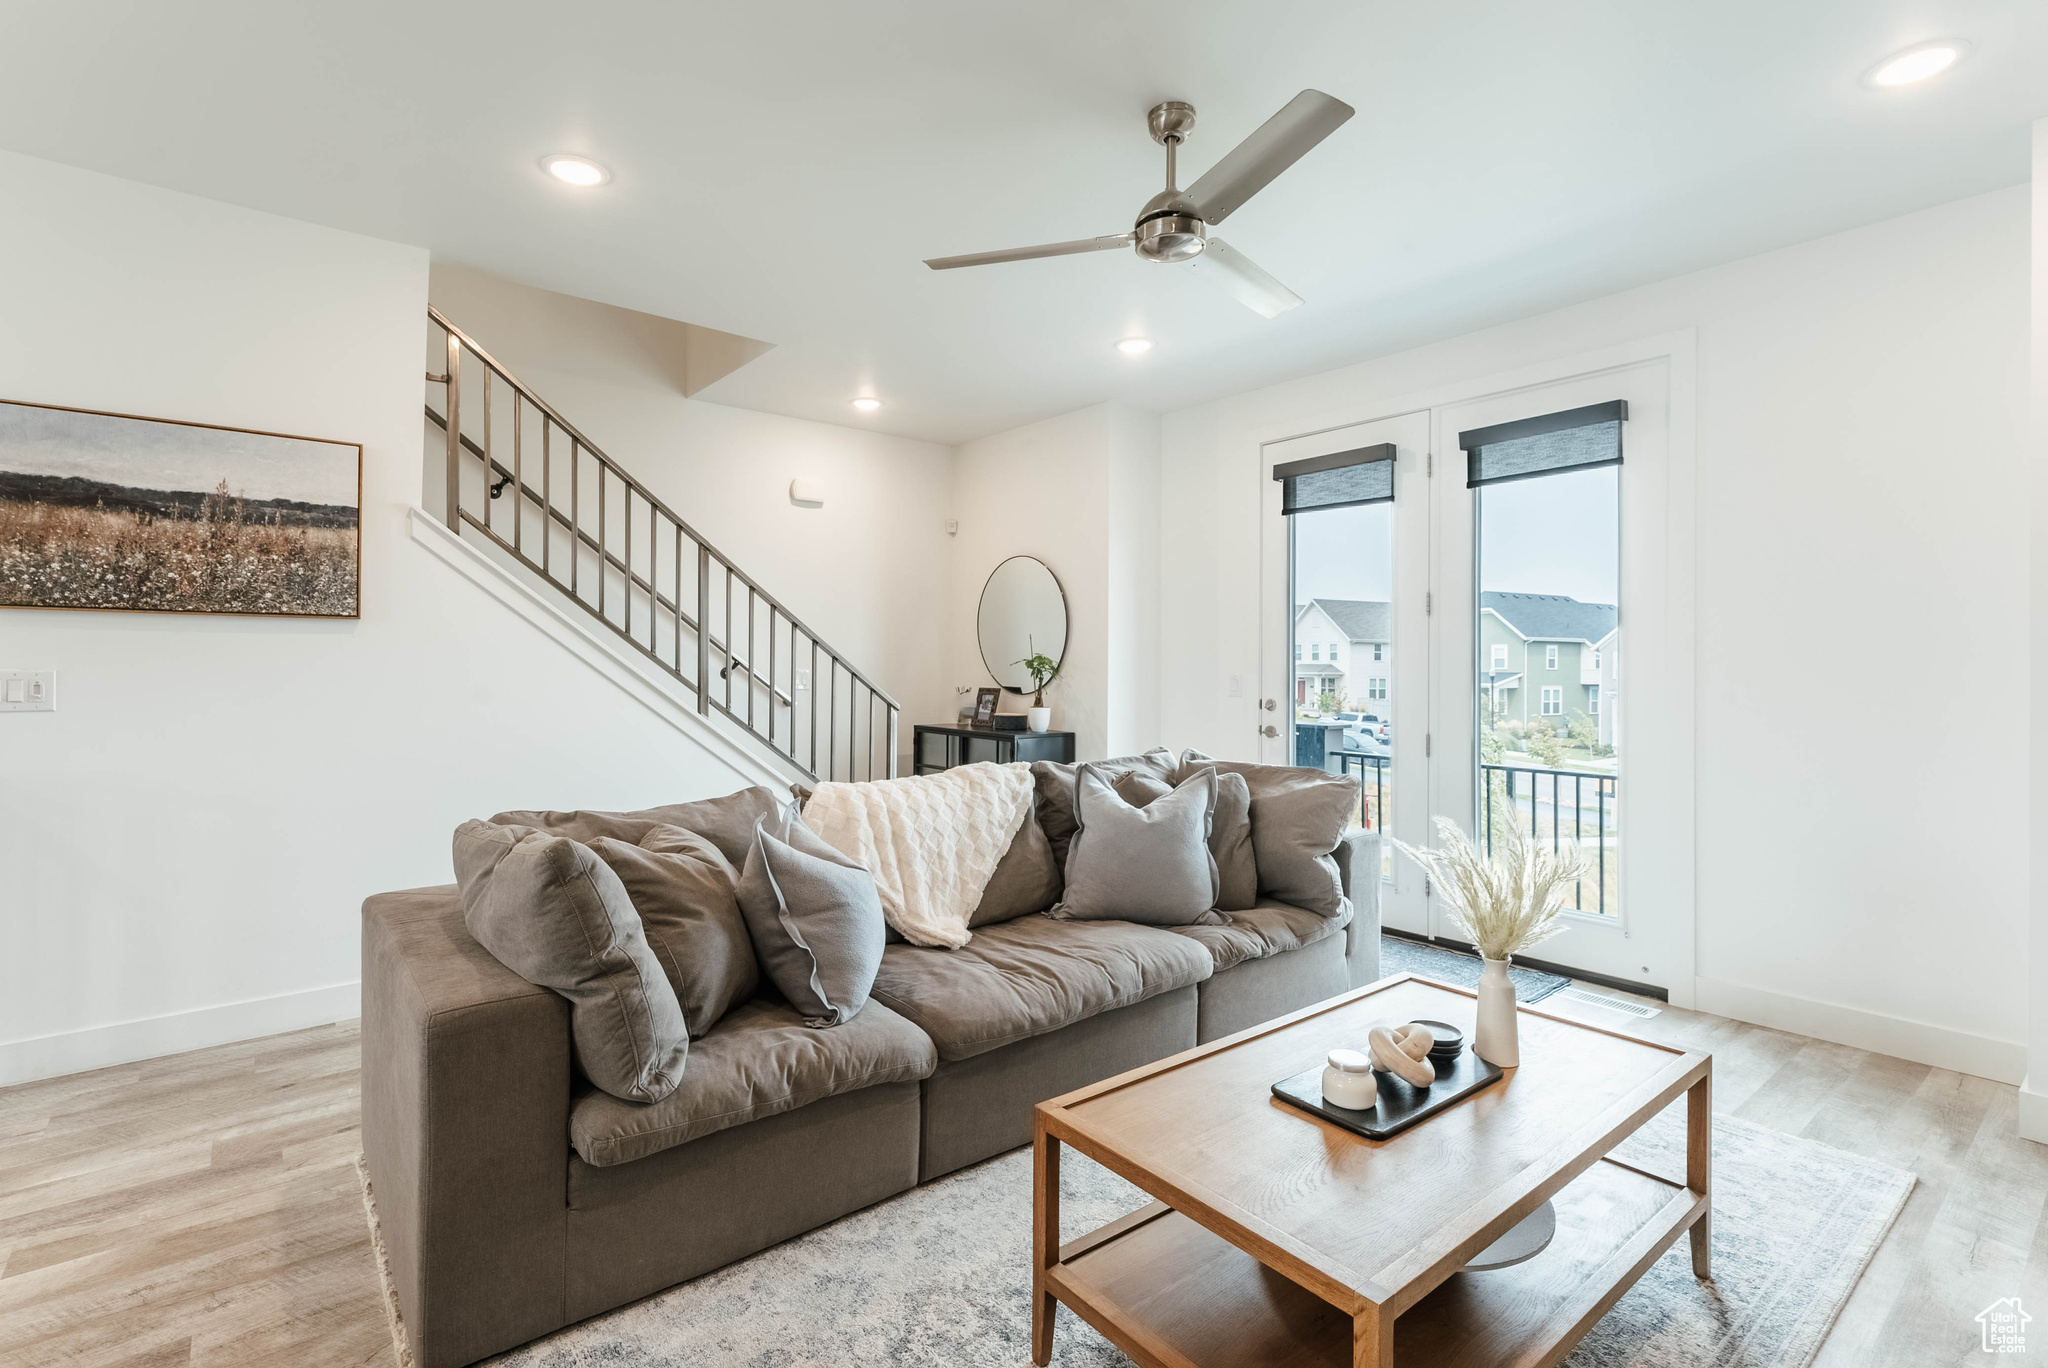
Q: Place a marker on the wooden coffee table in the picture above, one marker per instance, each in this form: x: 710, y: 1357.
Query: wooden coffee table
x: 1279, y: 1239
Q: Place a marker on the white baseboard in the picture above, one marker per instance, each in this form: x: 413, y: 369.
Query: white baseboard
x: 1944, y: 1047
x: 2033, y: 1118
x: 124, y: 1042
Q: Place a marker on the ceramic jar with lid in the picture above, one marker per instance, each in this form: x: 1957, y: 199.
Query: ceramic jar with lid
x: 1348, y: 1081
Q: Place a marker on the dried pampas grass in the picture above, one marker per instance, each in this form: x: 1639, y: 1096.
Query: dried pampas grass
x: 1510, y: 902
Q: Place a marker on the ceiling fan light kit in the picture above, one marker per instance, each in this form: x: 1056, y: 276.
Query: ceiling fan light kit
x: 1174, y: 224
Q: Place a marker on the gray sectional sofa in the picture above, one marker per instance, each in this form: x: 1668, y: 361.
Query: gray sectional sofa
x: 514, y: 1198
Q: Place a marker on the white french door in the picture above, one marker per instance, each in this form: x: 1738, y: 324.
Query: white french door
x: 1642, y: 932
x: 1356, y: 593
x: 1639, y: 828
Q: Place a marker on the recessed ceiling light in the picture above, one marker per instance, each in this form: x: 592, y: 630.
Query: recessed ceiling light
x: 577, y: 171
x: 867, y: 404
x: 1917, y: 63
x: 1135, y: 346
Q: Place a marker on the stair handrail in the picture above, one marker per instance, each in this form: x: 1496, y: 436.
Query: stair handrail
x: 497, y: 477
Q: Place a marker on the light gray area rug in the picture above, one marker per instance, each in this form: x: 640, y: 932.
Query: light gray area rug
x: 940, y: 1277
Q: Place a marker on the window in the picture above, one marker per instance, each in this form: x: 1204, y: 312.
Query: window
x: 1596, y: 660
x: 1379, y: 650
x: 1500, y: 658
x: 1340, y: 517
x: 1592, y: 700
x: 1297, y: 650
x: 1550, y: 657
x: 1553, y: 700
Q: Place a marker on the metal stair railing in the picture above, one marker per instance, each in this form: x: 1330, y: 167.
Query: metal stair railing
x: 602, y: 538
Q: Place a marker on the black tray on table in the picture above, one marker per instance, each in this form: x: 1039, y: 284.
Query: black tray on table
x: 1401, y: 1103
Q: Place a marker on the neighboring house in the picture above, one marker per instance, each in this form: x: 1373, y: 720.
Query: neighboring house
x: 1547, y: 657
x: 1345, y: 647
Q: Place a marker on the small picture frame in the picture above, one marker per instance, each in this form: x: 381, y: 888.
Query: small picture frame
x: 985, y: 701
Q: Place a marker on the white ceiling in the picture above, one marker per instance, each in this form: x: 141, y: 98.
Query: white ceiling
x: 781, y: 170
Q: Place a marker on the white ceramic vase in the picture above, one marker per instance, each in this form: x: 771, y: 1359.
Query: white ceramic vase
x: 1495, y: 1039
x: 1040, y: 719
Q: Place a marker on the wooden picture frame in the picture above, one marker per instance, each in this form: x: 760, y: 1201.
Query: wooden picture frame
x: 114, y: 512
x: 985, y: 701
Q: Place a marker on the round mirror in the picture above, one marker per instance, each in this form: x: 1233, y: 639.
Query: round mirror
x: 1023, y: 613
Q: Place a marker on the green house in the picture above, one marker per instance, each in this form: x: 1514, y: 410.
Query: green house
x: 1548, y: 657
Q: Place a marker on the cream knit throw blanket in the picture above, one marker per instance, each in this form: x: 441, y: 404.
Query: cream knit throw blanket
x: 931, y: 841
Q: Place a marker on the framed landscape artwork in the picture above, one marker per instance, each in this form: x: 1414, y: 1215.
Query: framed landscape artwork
x: 101, y: 510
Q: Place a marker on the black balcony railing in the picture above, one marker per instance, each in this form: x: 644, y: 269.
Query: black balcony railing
x: 1370, y: 808
x: 1590, y: 811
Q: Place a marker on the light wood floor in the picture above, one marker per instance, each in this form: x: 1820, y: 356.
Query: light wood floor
x: 203, y: 1209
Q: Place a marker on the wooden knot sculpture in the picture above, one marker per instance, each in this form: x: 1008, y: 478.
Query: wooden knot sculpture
x: 1404, y: 1052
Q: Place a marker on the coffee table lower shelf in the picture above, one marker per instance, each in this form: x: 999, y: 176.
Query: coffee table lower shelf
x: 1173, y: 1295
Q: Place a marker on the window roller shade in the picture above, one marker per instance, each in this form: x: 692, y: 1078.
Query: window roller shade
x: 1343, y: 479
x: 1576, y: 439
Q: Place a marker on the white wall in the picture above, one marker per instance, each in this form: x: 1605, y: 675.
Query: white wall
x: 185, y: 844
x: 2033, y: 1102
x: 1081, y: 493
x: 1861, y: 404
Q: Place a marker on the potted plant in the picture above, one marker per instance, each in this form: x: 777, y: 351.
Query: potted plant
x: 1503, y: 904
x: 1043, y: 669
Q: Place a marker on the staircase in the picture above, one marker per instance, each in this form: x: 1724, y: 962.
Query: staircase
x: 523, y: 482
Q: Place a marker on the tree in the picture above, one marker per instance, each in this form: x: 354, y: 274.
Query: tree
x: 1544, y: 745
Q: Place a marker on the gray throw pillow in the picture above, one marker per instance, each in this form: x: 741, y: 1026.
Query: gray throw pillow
x: 1230, y: 841
x: 1149, y: 865
x: 688, y: 900
x: 1230, y: 832
x: 555, y: 914
x: 815, y: 919
x: 1055, y: 791
x: 1140, y: 788
x: 727, y: 822
x: 1025, y: 880
x: 1298, y: 817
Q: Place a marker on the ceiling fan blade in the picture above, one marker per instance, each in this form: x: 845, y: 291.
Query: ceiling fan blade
x: 1274, y: 145
x: 1235, y: 272
x: 1050, y: 249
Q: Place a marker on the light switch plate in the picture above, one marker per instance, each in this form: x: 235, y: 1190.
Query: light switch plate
x: 28, y: 691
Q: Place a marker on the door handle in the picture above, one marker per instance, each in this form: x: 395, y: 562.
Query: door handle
x: 1269, y: 730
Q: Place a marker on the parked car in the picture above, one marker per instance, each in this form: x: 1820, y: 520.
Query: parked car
x: 1368, y: 732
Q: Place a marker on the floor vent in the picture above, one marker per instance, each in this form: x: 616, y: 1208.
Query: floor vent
x: 1612, y: 1004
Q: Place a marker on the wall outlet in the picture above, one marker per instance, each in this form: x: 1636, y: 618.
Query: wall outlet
x: 803, y: 679
x: 28, y: 691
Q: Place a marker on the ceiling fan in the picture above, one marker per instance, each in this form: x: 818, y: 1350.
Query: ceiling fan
x: 1174, y: 224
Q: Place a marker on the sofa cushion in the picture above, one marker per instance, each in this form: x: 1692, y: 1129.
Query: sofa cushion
x: 727, y: 822
x: 815, y: 918
x: 1025, y: 977
x: 556, y: 915
x: 1149, y: 865
x: 1055, y: 796
x: 1025, y: 880
x: 759, y: 1061
x: 688, y: 902
x: 1261, y: 932
x: 1299, y: 816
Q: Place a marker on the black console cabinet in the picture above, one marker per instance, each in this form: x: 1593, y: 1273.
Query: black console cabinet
x: 941, y: 748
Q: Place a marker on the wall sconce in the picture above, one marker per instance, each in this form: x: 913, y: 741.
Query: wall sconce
x: 807, y: 493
